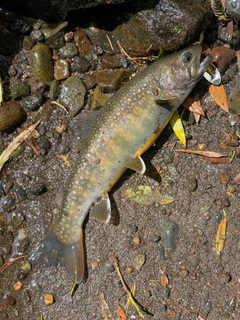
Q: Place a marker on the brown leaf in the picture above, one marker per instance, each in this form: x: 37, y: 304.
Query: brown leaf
x: 193, y: 105
x: 217, y: 160
x: 219, y: 95
x: 121, y: 315
x: 211, y: 154
x: 105, y: 311
x: 164, y: 281
x: 236, y: 180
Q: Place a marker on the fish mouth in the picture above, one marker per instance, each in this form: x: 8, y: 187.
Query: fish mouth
x: 203, y: 66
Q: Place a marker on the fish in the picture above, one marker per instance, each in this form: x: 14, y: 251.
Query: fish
x: 126, y: 126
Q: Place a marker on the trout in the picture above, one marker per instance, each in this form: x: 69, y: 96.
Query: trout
x: 127, y: 125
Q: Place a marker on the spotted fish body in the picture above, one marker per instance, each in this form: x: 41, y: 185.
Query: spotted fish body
x: 126, y: 127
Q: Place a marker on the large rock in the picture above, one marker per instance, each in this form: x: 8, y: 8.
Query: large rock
x: 50, y: 10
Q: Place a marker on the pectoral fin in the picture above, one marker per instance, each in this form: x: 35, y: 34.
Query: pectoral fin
x: 163, y: 96
x: 137, y: 164
x: 101, y: 210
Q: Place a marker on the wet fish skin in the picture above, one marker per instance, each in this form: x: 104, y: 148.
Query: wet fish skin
x: 127, y: 125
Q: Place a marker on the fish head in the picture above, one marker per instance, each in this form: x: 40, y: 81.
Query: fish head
x: 182, y: 70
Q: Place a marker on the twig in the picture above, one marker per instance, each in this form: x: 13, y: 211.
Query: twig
x: 131, y: 298
x: 12, y: 261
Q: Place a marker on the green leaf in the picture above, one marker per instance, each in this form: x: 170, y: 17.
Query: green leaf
x: 145, y: 196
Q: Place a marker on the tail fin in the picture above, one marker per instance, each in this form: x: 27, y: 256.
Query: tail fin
x: 54, y: 252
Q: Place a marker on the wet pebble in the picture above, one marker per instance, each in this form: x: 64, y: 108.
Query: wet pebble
x: 191, y: 183
x: 7, y: 184
x: 19, y: 90
x: 69, y: 50
x: 111, y: 80
x: 99, y: 98
x: 223, y: 34
x: 61, y: 69
x: 17, y: 219
x: 17, y: 286
x: 139, y: 261
x: 82, y: 42
x: 224, y: 178
x: 170, y: 230
x: 133, y: 228
x: 22, y: 275
x: 44, y: 143
x: 36, y: 35
x: 166, y: 292
x: 168, y: 157
x: 217, y: 217
x: 222, y: 57
x: 12, y: 115
x: 26, y: 267
x: 54, y: 35
x: 109, y: 62
x: 32, y: 102
x: 128, y: 270
x: 136, y: 241
x: 72, y: 95
x: 8, y: 203
x: 48, y: 299
x: 40, y: 60
x: 81, y: 64
x: 111, y: 268
x: 54, y: 90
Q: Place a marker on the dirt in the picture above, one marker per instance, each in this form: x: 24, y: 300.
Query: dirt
x: 201, y: 284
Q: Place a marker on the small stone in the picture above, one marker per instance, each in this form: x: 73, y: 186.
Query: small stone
x: 32, y: 102
x: 38, y: 188
x: 48, y: 299
x: 170, y: 231
x: 224, y: 178
x: 61, y: 69
x: 99, y: 98
x: 223, y: 202
x: 225, y: 277
x: 28, y: 43
x: 111, y: 268
x: 222, y: 57
x: 12, y: 115
x: 82, y: 42
x: 72, y: 95
x: 54, y: 90
x: 36, y: 35
x: 128, y: 270
x: 22, y: 275
x: 26, y: 267
x: 69, y: 50
x: 17, y: 286
x: 160, y: 252
x: 183, y: 273
x: 19, y: 91
x: 54, y: 35
x: 9, y: 300
x: 80, y: 64
x: 191, y: 183
x: 139, y: 261
x: 155, y: 238
x: 166, y: 292
x: 136, y: 241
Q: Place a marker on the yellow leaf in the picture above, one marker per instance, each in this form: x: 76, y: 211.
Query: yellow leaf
x: 16, y: 143
x: 145, y: 196
x: 177, y: 126
x: 65, y: 159
x: 221, y: 234
x: 219, y: 95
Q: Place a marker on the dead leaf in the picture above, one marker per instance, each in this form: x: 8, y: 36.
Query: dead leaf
x: 217, y: 160
x: 164, y: 281
x: 145, y: 196
x: 236, y: 180
x: 105, y: 311
x: 16, y: 143
x: 65, y: 159
x: 221, y: 234
x: 121, y: 315
x: 211, y: 154
x: 219, y: 95
x: 194, y: 106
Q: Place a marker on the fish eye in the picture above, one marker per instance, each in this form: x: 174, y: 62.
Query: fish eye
x: 186, y: 57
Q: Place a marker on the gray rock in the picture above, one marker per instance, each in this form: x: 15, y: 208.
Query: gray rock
x: 72, y: 95
x: 170, y: 230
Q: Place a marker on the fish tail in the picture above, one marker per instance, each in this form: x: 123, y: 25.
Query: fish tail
x: 54, y: 252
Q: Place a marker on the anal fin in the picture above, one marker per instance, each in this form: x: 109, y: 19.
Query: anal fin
x: 101, y: 210
x: 137, y: 164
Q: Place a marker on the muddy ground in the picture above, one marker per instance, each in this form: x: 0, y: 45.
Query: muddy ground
x: 201, y: 283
